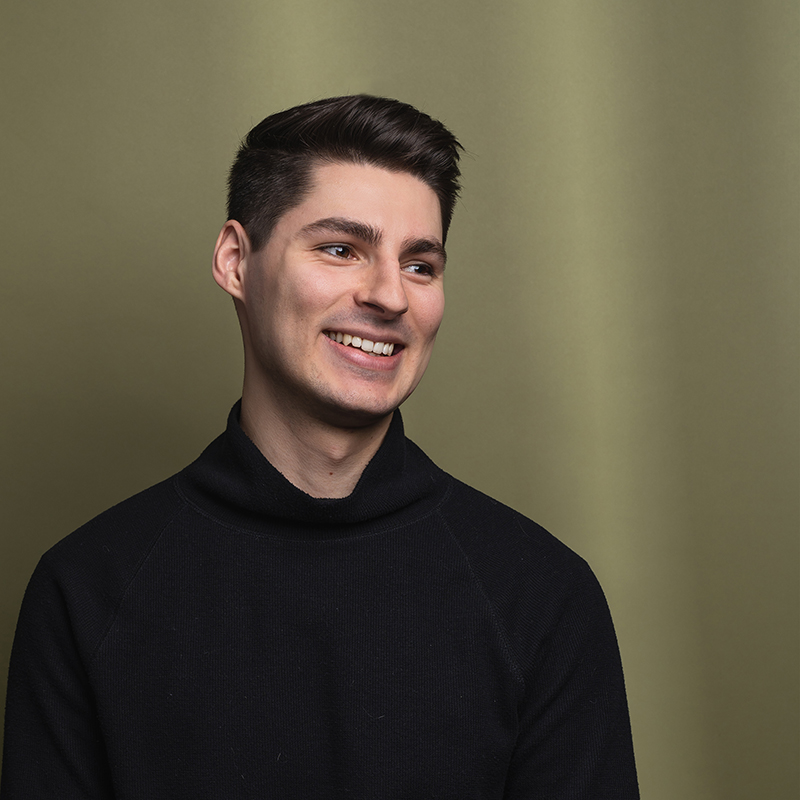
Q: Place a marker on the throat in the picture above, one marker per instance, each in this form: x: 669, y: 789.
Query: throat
x: 322, y: 460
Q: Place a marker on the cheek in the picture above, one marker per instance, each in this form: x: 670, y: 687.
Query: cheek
x: 301, y: 298
x: 431, y: 314
x: 288, y: 303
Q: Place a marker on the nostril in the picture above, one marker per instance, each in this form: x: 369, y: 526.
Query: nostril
x: 386, y: 309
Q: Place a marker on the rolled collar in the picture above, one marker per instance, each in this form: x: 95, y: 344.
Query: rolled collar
x: 234, y: 482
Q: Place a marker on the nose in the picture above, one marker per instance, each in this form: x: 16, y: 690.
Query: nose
x: 382, y: 290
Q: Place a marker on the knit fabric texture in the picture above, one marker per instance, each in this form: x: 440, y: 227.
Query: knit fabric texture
x: 225, y: 635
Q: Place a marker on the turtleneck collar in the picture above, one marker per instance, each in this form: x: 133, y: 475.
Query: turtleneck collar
x: 233, y: 482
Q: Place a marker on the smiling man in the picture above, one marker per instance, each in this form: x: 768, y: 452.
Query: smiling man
x: 339, y: 312
x: 313, y: 609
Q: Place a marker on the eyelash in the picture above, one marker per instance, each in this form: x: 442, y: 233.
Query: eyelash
x: 328, y: 247
x: 421, y: 269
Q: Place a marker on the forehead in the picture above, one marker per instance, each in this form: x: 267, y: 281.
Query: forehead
x: 395, y: 203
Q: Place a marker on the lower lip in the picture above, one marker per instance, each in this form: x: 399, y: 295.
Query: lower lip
x: 364, y: 360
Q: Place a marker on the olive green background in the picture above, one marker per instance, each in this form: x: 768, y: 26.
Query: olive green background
x: 619, y: 356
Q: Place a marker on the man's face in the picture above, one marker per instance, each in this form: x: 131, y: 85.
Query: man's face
x: 358, y: 264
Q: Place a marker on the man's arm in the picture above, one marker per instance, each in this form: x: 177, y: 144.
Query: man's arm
x: 575, y: 736
x: 53, y: 743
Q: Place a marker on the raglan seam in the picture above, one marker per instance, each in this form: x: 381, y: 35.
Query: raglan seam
x: 505, y: 640
x: 134, y: 575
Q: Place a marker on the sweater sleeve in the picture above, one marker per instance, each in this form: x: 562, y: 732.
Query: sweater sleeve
x: 574, y: 737
x: 53, y: 743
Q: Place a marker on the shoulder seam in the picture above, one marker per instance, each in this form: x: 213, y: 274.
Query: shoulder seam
x: 505, y: 642
x: 136, y: 571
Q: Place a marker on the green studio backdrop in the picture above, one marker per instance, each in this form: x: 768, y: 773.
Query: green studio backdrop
x: 619, y: 355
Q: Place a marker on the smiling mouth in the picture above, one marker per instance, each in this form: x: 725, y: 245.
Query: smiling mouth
x: 375, y: 348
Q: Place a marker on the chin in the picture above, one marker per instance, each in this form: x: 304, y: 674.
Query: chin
x: 359, y: 412
x: 358, y: 416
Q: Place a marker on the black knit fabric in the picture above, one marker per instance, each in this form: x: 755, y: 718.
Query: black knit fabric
x: 224, y: 635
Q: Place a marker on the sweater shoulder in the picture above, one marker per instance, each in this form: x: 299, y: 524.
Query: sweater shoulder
x: 533, y: 582
x: 88, y: 572
x: 492, y: 533
x: 118, y: 537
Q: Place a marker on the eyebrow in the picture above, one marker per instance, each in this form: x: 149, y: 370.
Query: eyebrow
x: 422, y: 246
x: 373, y: 236
x: 351, y: 227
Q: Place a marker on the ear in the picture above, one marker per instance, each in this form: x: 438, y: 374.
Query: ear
x: 230, y: 258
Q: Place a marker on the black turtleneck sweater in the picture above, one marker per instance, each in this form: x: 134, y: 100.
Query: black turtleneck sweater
x: 225, y: 635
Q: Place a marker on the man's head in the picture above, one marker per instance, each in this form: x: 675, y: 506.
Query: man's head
x: 334, y: 255
x: 273, y: 169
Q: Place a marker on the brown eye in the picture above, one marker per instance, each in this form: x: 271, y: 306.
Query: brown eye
x: 338, y: 250
x: 419, y: 269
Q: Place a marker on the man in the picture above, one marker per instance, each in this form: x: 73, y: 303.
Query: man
x: 313, y: 608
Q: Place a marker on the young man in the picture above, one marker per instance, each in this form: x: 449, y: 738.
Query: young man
x: 313, y: 608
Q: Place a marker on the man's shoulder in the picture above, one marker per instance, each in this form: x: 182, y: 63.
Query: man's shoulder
x: 84, y: 577
x: 516, y: 560
x: 487, y: 528
x: 114, y: 542
x: 532, y: 581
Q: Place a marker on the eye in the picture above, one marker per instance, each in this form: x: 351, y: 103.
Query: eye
x: 338, y: 250
x: 425, y: 270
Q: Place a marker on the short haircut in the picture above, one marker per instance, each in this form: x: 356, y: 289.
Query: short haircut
x: 272, y: 172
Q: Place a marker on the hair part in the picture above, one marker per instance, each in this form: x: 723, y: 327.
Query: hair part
x: 274, y: 167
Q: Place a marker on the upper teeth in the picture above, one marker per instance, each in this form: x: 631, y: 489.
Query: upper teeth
x: 379, y: 348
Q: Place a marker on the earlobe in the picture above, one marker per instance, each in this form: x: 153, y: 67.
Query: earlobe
x: 230, y: 258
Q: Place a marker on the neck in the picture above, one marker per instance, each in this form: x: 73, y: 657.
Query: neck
x: 322, y: 459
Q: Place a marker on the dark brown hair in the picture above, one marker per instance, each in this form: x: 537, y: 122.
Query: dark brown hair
x: 273, y: 168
